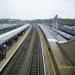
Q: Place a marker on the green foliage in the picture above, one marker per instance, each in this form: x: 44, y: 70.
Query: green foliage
x: 70, y: 22
x: 3, y: 21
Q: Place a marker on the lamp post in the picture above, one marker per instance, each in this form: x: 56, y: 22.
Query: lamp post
x: 55, y: 25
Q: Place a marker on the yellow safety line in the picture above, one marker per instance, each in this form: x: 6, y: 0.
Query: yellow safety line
x: 51, y: 63
x: 43, y: 57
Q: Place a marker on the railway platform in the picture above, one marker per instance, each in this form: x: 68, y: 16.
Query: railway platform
x: 47, y: 61
x: 13, y: 49
x: 60, y: 58
x: 57, y: 37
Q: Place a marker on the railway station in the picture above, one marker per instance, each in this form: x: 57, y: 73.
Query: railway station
x: 37, y: 49
x: 37, y: 37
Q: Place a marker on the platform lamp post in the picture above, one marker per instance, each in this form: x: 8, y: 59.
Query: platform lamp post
x: 55, y: 25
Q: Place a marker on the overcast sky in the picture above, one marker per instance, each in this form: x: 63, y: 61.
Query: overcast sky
x: 37, y: 9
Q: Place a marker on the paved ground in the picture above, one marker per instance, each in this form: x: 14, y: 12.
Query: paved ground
x: 48, y: 68
x: 69, y: 49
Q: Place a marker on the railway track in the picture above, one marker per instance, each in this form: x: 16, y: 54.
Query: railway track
x: 37, y: 60
x: 28, y: 58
